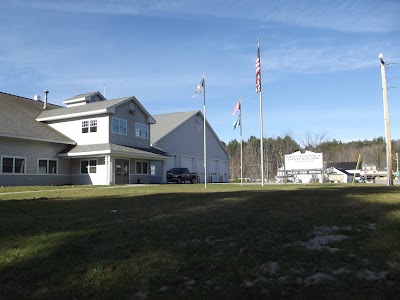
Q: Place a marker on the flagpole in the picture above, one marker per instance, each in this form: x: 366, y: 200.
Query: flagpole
x: 261, y: 141
x: 261, y: 119
x: 205, y: 144
x: 241, y: 143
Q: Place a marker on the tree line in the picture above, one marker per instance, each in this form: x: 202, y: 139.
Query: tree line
x: 373, y: 152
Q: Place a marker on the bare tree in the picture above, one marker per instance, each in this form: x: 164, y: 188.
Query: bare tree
x: 312, y: 140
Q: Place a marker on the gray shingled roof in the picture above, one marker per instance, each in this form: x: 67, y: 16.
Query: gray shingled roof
x: 152, y: 153
x: 94, y: 106
x: 82, y: 95
x: 166, y: 123
x: 18, y: 119
x: 344, y: 165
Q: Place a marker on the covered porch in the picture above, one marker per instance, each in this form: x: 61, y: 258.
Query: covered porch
x: 108, y: 164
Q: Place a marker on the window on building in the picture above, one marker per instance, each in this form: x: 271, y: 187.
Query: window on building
x: 85, y: 126
x: 88, y: 166
x: 89, y: 126
x: 42, y: 166
x: 8, y: 165
x: 47, y: 166
x: 52, y: 167
x: 141, y: 167
x: 13, y: 165
x: 142, y: 131
x: 119, y: 126
x: 93, y: 125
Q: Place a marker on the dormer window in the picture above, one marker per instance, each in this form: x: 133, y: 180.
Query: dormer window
x: 89, y: 126
x: 84, y: 99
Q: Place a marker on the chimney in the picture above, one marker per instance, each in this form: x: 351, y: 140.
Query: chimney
x: 45, y: 98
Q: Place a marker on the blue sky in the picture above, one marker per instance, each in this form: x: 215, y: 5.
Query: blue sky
x: 319, y: 59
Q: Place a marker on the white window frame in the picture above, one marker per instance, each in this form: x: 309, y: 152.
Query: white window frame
x: 47, y: 166
x: 85, y: 124
x: 89, y: 125
x: 88, y: 166
x: 92, y: 125
x: 119, y: 126
x: 13, y: 166
x: 141, y: 167
x: 139, y: 132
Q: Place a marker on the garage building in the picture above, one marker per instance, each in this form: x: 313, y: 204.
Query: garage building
x: 182, y: 136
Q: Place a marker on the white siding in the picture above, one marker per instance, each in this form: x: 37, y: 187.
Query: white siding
x: 73, y: 130
x: 98, y: 178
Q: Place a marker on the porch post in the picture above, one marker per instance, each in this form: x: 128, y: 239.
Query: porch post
x: 109, y: 170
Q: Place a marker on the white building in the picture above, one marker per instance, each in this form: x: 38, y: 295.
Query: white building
x: 98, y: 141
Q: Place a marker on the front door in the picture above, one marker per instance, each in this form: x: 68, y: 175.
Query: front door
x: 121, y: 171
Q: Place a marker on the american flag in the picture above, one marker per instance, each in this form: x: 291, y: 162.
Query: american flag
x: 258, y: 70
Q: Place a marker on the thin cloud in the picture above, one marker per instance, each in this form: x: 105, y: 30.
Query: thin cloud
x: 339, y: 15
x: 314, y: 59
x: 317, y: 60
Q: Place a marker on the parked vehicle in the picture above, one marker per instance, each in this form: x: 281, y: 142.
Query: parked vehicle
x: 368, y: 179
x: 181, y: 175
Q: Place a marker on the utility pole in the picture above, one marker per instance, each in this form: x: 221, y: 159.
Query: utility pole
x: 387, y: 123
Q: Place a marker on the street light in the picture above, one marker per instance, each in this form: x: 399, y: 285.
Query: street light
x: 387, y: 123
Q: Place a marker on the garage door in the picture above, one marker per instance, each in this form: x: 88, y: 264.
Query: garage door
x: 187, y: 162
x: 200, y: 168
x: 212, y: 170
x: 223, y: 171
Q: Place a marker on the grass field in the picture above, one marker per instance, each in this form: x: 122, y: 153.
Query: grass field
x: 182, y: 241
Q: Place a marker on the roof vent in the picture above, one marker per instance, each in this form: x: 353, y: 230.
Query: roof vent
x: 132, y: 108
x: 36, y: 98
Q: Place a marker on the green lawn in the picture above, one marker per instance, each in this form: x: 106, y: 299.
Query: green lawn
x: 182, y: 241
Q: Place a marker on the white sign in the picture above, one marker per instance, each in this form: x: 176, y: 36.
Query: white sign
x: 303, y: 172
x: 304, y: 161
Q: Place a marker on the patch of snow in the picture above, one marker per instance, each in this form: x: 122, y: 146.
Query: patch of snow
x: 248, y: 284
x: 324, y: 230
x: 319, y: 241
x: 269, y: 267
x: 340, y: 271
x: 371, y: 275
x: 141, y: 295
x: 163, y: 289
x: 317, y: 279
x: 190, y: 282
